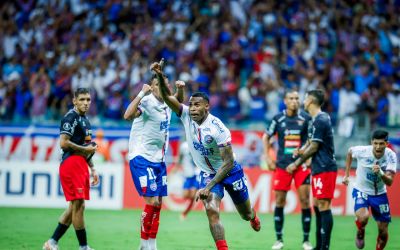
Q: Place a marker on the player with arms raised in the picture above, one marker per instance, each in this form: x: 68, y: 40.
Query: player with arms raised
x: 148, y: 142
x: 75, y: 132
x: 376, y: 168
x: 210, y: 146
x: 291, y: 127
x: 323, y: 165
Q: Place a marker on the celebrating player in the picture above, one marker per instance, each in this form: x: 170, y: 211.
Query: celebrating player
x: 291, y: 126
x: 376, y: 168
x: 323, y: 166
x: 148, y: 142
x: 210, y: 146
x: 75, y: 131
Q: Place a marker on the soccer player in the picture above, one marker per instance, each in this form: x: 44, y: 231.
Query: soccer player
x: 376, y: 168
x: 75, y: 133
x: 148, y: 142
x: 291, y: 127
x: 323, y: 165
x: 190, y: 173
x: 210, y: 146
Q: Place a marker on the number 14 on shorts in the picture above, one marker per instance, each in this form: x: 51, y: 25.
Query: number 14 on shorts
x: 317, y: 183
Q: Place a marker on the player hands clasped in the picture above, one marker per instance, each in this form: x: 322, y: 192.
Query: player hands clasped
x: 291, y: 127
x: 376, y: 168
x: 148, y: 142
x: 210, y: 146
x: 323, y: 165
x: 75, y: 132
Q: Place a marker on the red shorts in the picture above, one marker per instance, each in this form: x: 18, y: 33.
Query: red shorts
x: 283, y: 180
x: 323, y: 185
x: 74, y: 177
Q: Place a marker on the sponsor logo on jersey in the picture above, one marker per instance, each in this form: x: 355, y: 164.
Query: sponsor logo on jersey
x: 215, y: 122
x: 292, y: 143
x: 289, y: 151
x: 292, y: 137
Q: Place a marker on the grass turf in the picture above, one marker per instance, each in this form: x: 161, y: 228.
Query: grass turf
x: 28, y: 228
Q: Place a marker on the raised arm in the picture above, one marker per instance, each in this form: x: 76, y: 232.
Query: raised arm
x: 132, y: 111
x: 180, y: 91
x: 165, y: 92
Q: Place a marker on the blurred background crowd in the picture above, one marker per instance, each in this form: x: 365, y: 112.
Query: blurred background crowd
x: 243, y: 53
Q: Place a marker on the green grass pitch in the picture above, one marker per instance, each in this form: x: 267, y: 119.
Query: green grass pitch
x: 28, y: 228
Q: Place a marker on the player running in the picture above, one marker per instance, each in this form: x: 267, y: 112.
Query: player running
x: 148, y: 142
x: 210, y: 146
x: 376, y: 168
x: 323, y: 166
x: 75, y: 131
x: 291, y: 127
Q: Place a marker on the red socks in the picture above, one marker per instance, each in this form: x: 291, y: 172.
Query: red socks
x: 146, y: 222
x: 381, y: 242
x: 221, y: 245
x: 155, y: 222
x: 359, y: 225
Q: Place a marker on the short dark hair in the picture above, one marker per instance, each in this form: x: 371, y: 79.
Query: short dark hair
x: 380, y: 135
x: 319, y: 96
x: 289, y: 91
x: 202, y: 95
x: 80, y: 91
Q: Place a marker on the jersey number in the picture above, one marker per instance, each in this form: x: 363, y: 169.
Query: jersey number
x: 362, y: 195
x: 151, y: 174
x: 317, y: 183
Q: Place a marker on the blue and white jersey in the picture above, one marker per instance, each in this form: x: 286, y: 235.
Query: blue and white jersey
x: 367, y: 181
x: 150, y: 131
x: 205, y: 140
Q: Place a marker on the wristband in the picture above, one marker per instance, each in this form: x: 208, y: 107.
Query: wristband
x: 380, y: 173
x: 141, y: 94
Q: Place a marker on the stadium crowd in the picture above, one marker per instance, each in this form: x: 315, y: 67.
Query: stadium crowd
x: 244, y: 54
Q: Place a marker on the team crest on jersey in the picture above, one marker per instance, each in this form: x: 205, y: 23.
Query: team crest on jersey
x: 300, y: 122
x: 283, y: 124
x: 153, y: 186
x: 360, y: 201
x: 208, y: 139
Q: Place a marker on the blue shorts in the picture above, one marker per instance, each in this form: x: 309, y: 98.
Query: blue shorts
x: 379, y: 205
x: 235, y: 184
x: 150, y: 178
x: 191, y: 183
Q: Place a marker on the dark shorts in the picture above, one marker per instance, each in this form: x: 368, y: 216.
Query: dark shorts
x: 75, y: 179
x: 150, y: 178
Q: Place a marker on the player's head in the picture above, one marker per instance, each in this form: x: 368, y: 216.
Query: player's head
x: 82, y: 100
x: 379, y: 142
x: 292, y: 100
x: 314, y: 97
x: 199, y: 105
x: 155, y: 84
